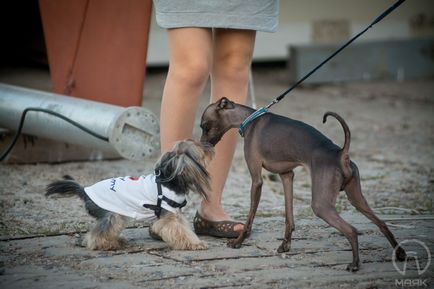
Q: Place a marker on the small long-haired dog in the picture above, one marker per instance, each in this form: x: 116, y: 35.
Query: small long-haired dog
x: 161, y: 194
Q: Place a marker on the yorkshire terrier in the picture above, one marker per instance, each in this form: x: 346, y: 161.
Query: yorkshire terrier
x: 159, y: 195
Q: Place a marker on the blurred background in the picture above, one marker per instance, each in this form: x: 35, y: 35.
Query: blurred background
x: 326, y: 22
x: 112, y: 51
x: 311, y: 24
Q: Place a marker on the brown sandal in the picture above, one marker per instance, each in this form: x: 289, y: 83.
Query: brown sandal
x: 221, y: 229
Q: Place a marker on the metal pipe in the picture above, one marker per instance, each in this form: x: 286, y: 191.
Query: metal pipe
x: 133, y: 132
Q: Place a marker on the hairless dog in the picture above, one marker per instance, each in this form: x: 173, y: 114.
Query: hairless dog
x: 279, y: 144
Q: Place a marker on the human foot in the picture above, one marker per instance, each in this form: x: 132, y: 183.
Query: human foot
x: 217, y: 214
x: 221, y: 229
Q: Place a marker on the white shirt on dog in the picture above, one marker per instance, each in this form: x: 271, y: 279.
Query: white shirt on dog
x: 127, y: 195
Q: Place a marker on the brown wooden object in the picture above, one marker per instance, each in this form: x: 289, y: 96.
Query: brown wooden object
x: 97, y: 48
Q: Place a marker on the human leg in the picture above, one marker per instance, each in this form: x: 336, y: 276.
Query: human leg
x: 189, y: 69
x: 232, y: 56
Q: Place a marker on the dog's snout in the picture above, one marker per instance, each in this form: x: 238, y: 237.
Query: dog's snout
x: 211, y: 142
x: 206, y: 144
x: 205, y: 140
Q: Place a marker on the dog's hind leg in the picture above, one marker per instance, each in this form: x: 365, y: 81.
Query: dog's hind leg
x: 175, y: 231
x: 325, y: 189
x: 287, y: 181
x: 355, y: 196
x: 105, y: 234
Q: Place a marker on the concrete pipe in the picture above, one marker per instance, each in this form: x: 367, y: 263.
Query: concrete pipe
x: 132, y: 132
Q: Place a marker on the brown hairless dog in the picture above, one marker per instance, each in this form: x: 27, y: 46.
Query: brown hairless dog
x: 279, y: 144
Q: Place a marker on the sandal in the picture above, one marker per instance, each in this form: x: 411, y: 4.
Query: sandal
x: 221, y: 229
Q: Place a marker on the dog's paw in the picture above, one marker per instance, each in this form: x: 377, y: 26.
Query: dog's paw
x: 234, y: 244
x: 284, y: 247
x: 199, y: 246
x: 122, y: 242
x: 190, y: 246
x: 353, y: 267
x: 400, y: 254
x: 109, y: 245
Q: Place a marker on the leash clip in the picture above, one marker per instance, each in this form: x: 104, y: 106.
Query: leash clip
x: 250, y: 118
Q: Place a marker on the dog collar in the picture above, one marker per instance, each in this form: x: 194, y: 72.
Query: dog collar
x: 250, y: 118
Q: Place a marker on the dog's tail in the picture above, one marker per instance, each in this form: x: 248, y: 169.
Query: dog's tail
x: 344, y: 157
x: 67, y: 186
x: 346, y: 147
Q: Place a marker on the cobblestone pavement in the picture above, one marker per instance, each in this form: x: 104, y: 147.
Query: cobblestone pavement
x: 392, y: 125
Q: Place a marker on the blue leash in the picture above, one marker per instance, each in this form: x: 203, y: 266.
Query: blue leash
x: 263, y: 110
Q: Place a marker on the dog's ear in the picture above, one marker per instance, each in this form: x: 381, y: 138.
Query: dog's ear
x: 225, y: 103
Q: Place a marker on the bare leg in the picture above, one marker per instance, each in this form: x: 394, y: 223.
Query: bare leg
x: 194, y: 54
x: 189, y: 69
x: 232, y: 56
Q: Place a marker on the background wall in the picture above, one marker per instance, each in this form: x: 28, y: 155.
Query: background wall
x: 330, y: 21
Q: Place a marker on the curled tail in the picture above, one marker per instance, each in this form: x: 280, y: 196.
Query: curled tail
x: 346, y: 147
x: 64, y: 187
x: 344, y: 155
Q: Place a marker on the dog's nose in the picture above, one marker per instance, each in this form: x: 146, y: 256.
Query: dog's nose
x: 210, y: 140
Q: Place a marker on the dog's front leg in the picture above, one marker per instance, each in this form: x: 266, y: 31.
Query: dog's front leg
x: 287, y: 181
x: 175, y: 231
x: 255, y: 196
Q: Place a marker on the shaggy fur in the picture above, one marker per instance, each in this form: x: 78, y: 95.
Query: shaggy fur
x: 181, y: 170
x: 175, y: 231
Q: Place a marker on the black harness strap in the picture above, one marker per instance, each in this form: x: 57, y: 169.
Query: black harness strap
x: 160, y: 197
x: 174, y: 204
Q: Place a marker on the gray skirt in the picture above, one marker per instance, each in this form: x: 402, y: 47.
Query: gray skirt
x: 260, y: 15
